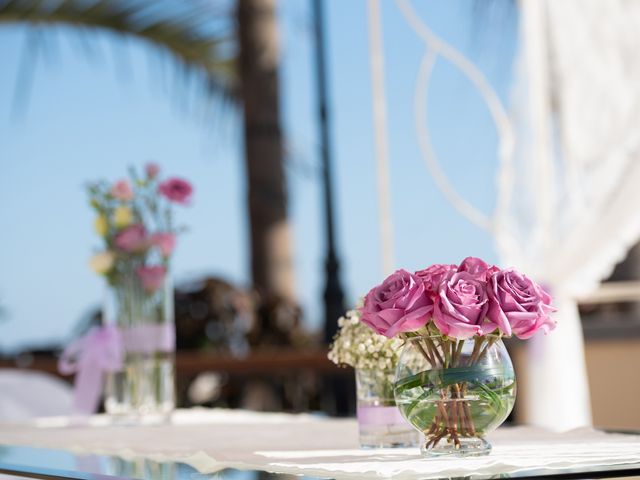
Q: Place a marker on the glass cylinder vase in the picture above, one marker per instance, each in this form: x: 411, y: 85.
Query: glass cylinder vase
x: 455, y: 391
x: 144, y: 388
x: 380, y: 423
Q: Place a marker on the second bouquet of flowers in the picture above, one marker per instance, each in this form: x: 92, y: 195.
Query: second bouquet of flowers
x: 454, y: 379
x: 130, y: 358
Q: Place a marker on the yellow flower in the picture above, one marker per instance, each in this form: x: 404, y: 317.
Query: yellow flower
x: 102, y: 262
x: 101, y: 225
x: 122, y: 216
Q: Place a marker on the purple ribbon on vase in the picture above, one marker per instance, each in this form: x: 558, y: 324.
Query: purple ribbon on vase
x: 89, y: 357
x: 102, y: 350
x: 149, y: 338
x: 378, y: 415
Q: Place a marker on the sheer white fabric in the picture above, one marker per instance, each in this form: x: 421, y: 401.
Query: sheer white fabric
x: 25, y: 395
x: 565, y: 213
x: 576, y: 175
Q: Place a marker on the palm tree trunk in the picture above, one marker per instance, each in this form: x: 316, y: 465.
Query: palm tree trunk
x: 271, y: 258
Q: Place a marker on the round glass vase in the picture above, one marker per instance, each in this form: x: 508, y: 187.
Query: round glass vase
x: 143, y: 390
x: 380, y: 423
x: 455, y: 391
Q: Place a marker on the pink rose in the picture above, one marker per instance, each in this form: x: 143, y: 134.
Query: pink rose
x: 176, y: 190
x: 165, y: 242
x: 132, y: 239
x: 152, y: 169
x: 518, y: 305
x: 399, y: 304
x: 121, y: 190
x: 478, y: 268
x: 461, y: 305
x: 434, y: 275
x: 151, y: 277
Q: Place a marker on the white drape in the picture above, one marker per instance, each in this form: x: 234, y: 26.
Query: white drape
x: 567, y: 194
x: 577, y: 178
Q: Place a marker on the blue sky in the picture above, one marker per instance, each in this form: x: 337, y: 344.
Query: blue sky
x: 90, y: 116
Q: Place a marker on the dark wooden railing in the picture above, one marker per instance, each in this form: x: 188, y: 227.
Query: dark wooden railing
x: 191, y: 363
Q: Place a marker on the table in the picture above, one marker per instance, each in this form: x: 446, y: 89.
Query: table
x: 201, y: 444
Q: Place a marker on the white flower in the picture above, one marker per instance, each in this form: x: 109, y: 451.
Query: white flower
x: 357, y: 345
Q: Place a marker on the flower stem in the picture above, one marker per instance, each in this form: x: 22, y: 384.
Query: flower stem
x: 425, y: 353
x: 476, y: 350
x: 453, y: 420
x: 447, y: 354
x: 490, y: 342
x: 434, y: 351
x: 459, y: 350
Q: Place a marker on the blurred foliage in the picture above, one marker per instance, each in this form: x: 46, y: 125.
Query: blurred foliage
x: 199, y: 36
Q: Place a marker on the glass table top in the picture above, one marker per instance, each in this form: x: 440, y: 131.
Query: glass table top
x: 28, y: 462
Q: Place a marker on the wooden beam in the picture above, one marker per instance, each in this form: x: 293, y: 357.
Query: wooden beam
x: 613, y: 292
x: 264, y: 362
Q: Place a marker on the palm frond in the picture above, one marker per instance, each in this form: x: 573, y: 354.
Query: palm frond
x: 190, y: 32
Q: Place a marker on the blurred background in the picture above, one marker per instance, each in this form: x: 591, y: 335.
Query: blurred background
x: 299, y: 124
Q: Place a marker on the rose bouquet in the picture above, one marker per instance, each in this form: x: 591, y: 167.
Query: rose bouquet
x: 454, y: 380
x: 135, y: 222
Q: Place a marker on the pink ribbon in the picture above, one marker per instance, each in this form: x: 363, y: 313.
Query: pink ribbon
x: 89, y: 357
x: 149, y: 338
x: 102, y: 350
x: 379, y: 415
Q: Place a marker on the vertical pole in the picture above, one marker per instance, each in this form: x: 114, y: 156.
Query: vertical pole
x: 380, y: 133
x: 333, y: 294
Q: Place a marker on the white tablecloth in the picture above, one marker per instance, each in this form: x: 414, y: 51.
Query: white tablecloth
x: 211, y: 440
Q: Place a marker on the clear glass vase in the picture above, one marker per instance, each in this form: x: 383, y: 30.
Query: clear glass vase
x: 455, y: 391
x: 380, y: 423
x: 144, y: 389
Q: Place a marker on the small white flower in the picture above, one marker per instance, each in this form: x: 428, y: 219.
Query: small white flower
x: 357, y: 345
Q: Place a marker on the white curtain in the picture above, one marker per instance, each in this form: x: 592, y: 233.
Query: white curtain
x: 572, y: 191
x: 569, y: 171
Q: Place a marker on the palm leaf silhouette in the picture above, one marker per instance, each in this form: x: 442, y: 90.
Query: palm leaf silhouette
x: 194, y: 34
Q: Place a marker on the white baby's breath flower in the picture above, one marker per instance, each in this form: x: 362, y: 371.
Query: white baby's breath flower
x: 357, y: 345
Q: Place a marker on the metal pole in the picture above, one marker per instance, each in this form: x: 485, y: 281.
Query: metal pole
x: 333, y: 294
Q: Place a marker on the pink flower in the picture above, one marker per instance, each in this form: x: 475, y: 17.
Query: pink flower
x: 461, y: 305
x: 152, y: 169
x: 121, y: 190
x: 132, y: 239
x: 176, y: 190
x: 434, y: 275
x: 165, y: 242
x: 151, y: 277
x: 477, y: 268
x: 518, y: 305
x: 399, y: 304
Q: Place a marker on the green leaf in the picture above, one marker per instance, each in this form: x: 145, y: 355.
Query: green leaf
x: 488, y: 398
x: 444, y: 377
